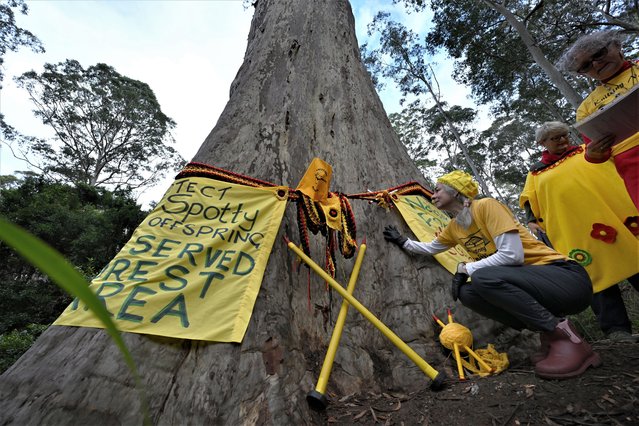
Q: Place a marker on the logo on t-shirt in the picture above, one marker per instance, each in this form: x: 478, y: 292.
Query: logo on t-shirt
x: 476, y: 245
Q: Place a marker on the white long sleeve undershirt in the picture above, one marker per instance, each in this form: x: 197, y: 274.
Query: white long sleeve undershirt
x: 510, y: 251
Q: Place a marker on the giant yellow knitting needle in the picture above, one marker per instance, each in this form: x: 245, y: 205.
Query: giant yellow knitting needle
x: 438, y: 379
x: 316, y: 398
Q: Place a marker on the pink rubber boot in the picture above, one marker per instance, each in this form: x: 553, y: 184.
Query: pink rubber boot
x: 543, y: 350
x: 568, y: 356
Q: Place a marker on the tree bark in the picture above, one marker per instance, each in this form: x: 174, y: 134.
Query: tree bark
x: 302, y: 92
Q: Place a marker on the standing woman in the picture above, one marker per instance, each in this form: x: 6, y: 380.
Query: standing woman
x: 588, y: 216
x: 516, y: 279
x: 598, y: 56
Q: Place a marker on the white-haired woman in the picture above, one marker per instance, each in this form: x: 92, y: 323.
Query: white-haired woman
x: 599, y: 57
x: 516, y: 279
x: 587, y: 214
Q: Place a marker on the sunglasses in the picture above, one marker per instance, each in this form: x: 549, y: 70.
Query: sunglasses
x: 597, y: 56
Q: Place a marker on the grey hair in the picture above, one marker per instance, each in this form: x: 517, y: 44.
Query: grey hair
x: 464, y: 217
x: 588, y: 43
x: 548, y: 128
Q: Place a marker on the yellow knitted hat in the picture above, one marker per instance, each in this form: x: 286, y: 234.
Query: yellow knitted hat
x: 462, y: 182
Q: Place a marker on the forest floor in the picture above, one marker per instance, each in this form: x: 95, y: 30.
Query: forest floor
x: 608, y: 395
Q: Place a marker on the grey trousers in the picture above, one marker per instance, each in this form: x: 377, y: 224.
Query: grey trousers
x: 528, y: 296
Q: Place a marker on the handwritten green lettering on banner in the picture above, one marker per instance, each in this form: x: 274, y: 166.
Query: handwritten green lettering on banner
x: 427, y: 221
x: 194, y: 267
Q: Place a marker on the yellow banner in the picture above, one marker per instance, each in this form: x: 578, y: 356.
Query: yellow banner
x: 427, y: 221
x: 194, y: 267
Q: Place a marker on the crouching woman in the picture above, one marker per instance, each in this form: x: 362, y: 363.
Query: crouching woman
x: 516, y: 279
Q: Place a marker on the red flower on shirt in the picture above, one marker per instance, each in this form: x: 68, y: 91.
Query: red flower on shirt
x: 632, y: 223
x: 602, y: 232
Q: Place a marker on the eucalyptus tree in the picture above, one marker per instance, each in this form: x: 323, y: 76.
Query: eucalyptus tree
x: 109, y: 129
x: 505, y: 51
x: 507, y: 156
x: 497, y: 151
x: 410, y: 126
x: 12, y: 38
x: 428, y: 137
x: 410, y: 69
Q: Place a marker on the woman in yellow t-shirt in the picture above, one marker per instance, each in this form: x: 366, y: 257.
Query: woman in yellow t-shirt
x: 598, y: 56
x: 516, y: 279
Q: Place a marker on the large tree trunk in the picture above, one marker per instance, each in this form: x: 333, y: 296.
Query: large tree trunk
x: 302, y: 92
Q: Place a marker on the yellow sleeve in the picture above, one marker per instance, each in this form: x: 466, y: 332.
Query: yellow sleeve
x: 529, y: 194
x: 446, y: 237
x: 497, y: 218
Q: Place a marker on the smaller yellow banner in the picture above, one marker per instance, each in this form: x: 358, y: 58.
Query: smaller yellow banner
x: 427, y: 221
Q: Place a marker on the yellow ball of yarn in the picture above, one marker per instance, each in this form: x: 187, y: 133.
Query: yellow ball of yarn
x: 455, y: 333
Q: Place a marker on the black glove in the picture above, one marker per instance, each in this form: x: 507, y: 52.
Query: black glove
x: 392, y: 234
x: 458, y: 280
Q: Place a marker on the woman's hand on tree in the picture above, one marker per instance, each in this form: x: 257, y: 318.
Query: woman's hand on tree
x: 392, y: 234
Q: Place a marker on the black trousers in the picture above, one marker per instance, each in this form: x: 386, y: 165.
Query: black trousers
x: 528, y: 296
x: 610, y: 309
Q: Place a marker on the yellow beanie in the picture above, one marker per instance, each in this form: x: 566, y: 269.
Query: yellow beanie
x: 462, y: 182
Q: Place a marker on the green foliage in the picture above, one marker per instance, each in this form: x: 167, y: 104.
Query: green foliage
x: 429, y: 139
x: 87, y: 225
x: 408, y: 66
x: 411, y: 71
x: 16, y: 342
x: 434, y: 135
x: 7, y: 181
x: 507, y: 152
x: 493, y: 60
x: 12, y: 38
x: 52, y: 264
x: 110, y: 130
x: 410, y: 128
